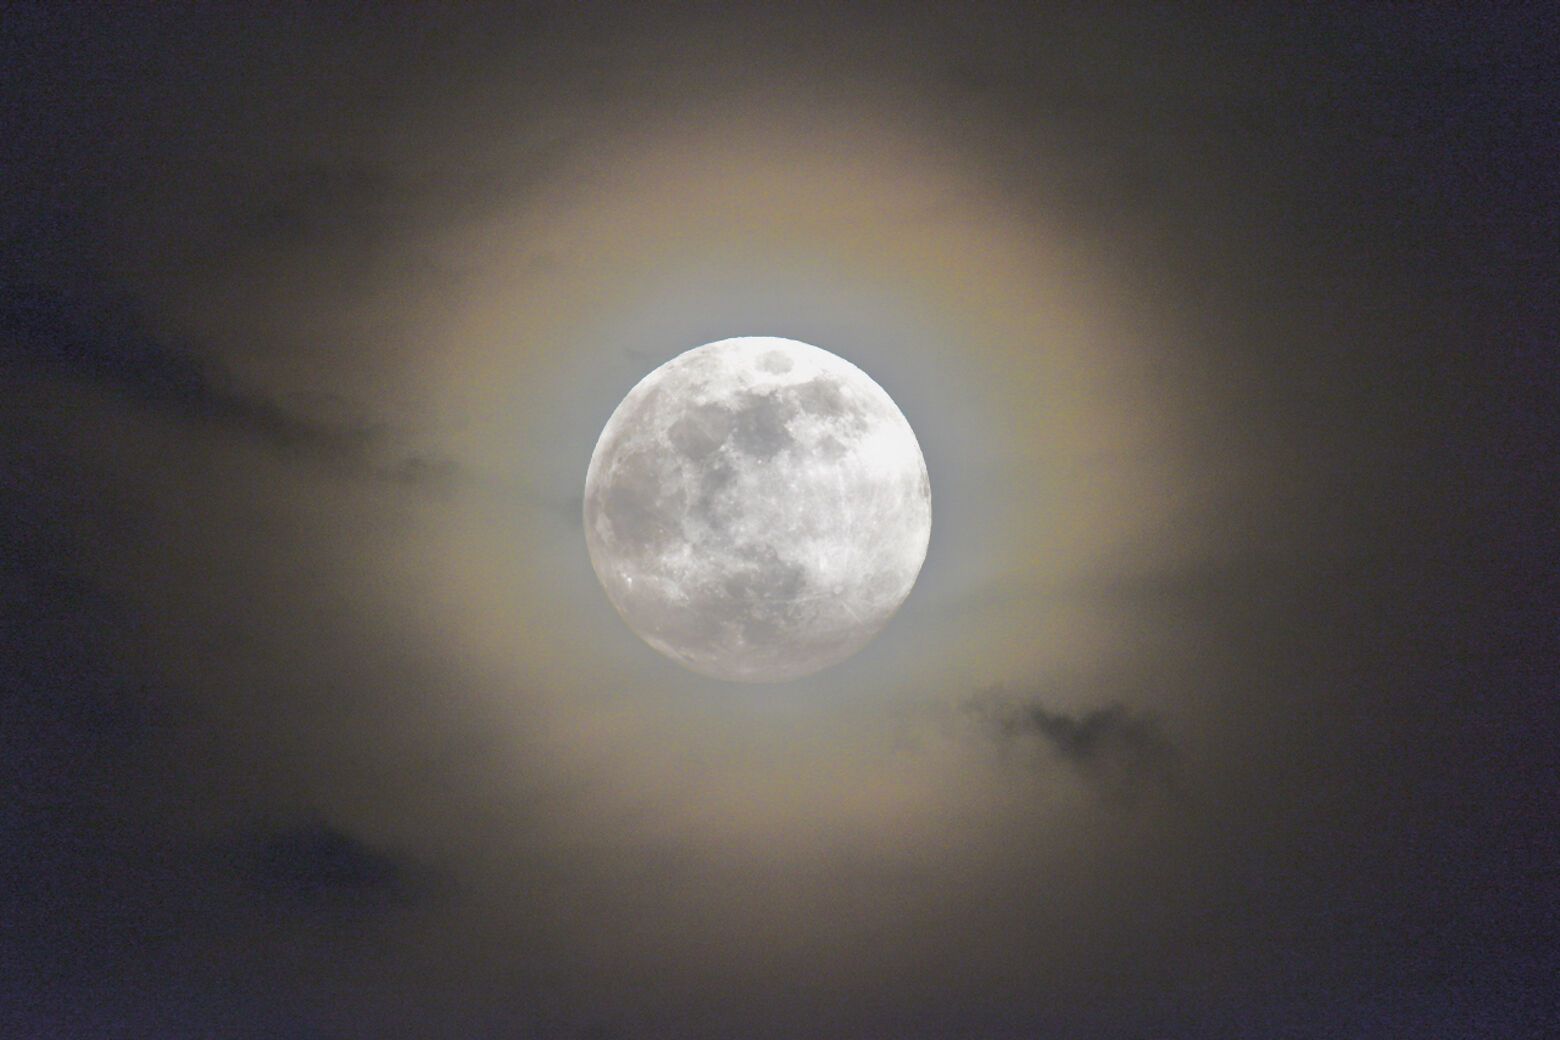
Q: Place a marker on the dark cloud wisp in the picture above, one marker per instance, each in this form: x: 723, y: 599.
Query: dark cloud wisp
x: 1123, y: 754
x: 102, y: 343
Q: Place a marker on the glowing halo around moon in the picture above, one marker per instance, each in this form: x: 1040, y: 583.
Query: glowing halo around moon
x: 757, y: 509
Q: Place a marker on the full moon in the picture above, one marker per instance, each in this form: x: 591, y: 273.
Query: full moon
x: 757, y: 509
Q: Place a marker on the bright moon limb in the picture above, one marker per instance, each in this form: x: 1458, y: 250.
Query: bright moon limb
x: 757, y: 509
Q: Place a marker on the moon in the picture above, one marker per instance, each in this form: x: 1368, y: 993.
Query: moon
x: 757, y: 509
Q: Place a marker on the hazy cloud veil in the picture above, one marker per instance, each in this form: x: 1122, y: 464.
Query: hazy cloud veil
x: 1222, y: 706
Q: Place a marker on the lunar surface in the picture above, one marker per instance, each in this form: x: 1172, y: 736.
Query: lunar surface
x: 757, y: 509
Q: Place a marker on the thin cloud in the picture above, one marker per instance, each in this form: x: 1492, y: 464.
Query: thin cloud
x: 101, y: 343
x: 319, y: 866
x: 1123, y: 754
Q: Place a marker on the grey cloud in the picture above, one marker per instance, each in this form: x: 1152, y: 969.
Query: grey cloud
x: 317, y: 203
x: 1122, y: 753
x: 319, y: 867
x: 102, y: 343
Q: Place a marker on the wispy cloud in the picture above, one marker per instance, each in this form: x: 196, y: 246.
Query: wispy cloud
x: 102, y: 343
x: 318, y: 866
x: 1123, y: 754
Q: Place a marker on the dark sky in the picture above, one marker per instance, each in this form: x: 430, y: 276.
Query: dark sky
x: 1225, y: 705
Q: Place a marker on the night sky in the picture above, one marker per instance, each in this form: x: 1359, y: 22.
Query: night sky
x: 1226, y: 702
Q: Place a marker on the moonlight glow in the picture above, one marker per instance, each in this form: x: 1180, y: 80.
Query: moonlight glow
x: 757, y: 509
